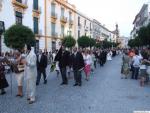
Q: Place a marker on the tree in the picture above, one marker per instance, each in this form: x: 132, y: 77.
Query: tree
x: 131, y: 43
x: 69, y: 41
x: 142, y: 36
x: 17, y: 36
x: 84, y: 41
x: 98, y: 45
x: 106, y: 44
x: 92, y: 42
x: 148, y: 34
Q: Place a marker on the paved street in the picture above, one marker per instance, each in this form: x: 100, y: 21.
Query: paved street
x: 104, y: 93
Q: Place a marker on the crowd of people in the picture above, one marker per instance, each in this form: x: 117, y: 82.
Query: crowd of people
x: 33, y: 65
x: 136, y: 62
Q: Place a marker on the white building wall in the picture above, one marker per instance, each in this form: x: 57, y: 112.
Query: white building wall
x: 8, y: 16
x: 27, y: 19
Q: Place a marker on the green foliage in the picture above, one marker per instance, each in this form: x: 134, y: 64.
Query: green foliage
x: 92, y: 42
x: 84, y: 41
x: 131, y: 43
x: 69, y: 41
x: 106, y: 44
x: 17, y: 36
x: 98, y: 45
x: 143, y: 38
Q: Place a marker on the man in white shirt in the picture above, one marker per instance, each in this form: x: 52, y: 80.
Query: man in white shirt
x: 136, y: 65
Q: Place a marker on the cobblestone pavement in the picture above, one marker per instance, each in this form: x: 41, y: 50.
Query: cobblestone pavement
x: 104, y: 93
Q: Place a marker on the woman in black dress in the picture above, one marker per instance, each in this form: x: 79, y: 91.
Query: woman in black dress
x: 3, y: 81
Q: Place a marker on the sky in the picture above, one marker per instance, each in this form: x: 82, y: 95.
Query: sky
x: 110, y: 12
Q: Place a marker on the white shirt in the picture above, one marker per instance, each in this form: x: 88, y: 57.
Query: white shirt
x: 136, y: 60
x: 87, y: 59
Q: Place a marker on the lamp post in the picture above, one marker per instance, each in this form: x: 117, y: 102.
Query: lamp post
x: 2, y: 29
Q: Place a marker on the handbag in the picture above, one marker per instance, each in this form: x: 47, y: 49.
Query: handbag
x: 18, y: 68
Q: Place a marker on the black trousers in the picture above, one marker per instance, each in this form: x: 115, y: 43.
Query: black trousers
x: 95, y: 64
x: 77, y: 77
x: 43, y: 72
x: 63, y: 75
x: 135, y: 73
x: 101, y: 62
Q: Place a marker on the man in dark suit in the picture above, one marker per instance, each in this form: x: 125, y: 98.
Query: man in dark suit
x: 41, y: 67
x: 62, y: 57
x: 78, y: 65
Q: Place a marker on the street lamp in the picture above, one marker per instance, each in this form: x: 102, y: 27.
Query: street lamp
x: 2, y: 29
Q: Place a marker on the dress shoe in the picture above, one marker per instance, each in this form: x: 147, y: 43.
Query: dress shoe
x: 37, y: 84
x: 2, y: 93
x: 80, y: 84
x: 18, y: 95
x: 75, y: 85
x: 31, y: 102
x: 64, y: 83
x: 28, y: 98
x: 45, y: 82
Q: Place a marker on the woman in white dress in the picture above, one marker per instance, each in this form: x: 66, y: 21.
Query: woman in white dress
x: 109, y: 55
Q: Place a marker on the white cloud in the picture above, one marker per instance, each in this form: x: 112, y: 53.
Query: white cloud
x: 109, y: 12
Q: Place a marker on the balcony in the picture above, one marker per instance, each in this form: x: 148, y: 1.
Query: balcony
x: 62, y: 35
x: 63, y: 19
x: 21, y: 4
x: 54, y: 35
x: 37, y: 10
x: 54, y: 16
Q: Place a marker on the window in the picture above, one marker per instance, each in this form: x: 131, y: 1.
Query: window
x: 62, y: 30
x: 70, y: 16
x: 36, y: 26
x: 52, y: 28
x: 85, y: 23
x: 62, y: 12
x: 19, y: 1
x: 37, y: 46
x: 35, y: 4
x: 78, y: 21
x: 90, y: 27
x: 53, y: 9
x: 69, y: 33
x: 18, y: 17
x: 78, y: 33
x: 53, y: 45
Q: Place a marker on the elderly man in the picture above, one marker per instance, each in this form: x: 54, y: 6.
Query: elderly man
x: 41, y: 67
x: 78, y: 65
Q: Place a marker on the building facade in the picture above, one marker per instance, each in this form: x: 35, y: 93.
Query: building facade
x: 51, y: 21
x: 60, y: 22
x: 83, y: 25
x: 123, y: 42
x: 22, y: 12
x: 141, y: 19
x: 100, y: 32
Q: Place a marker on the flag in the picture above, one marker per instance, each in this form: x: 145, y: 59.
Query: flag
x: 58, y: 55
